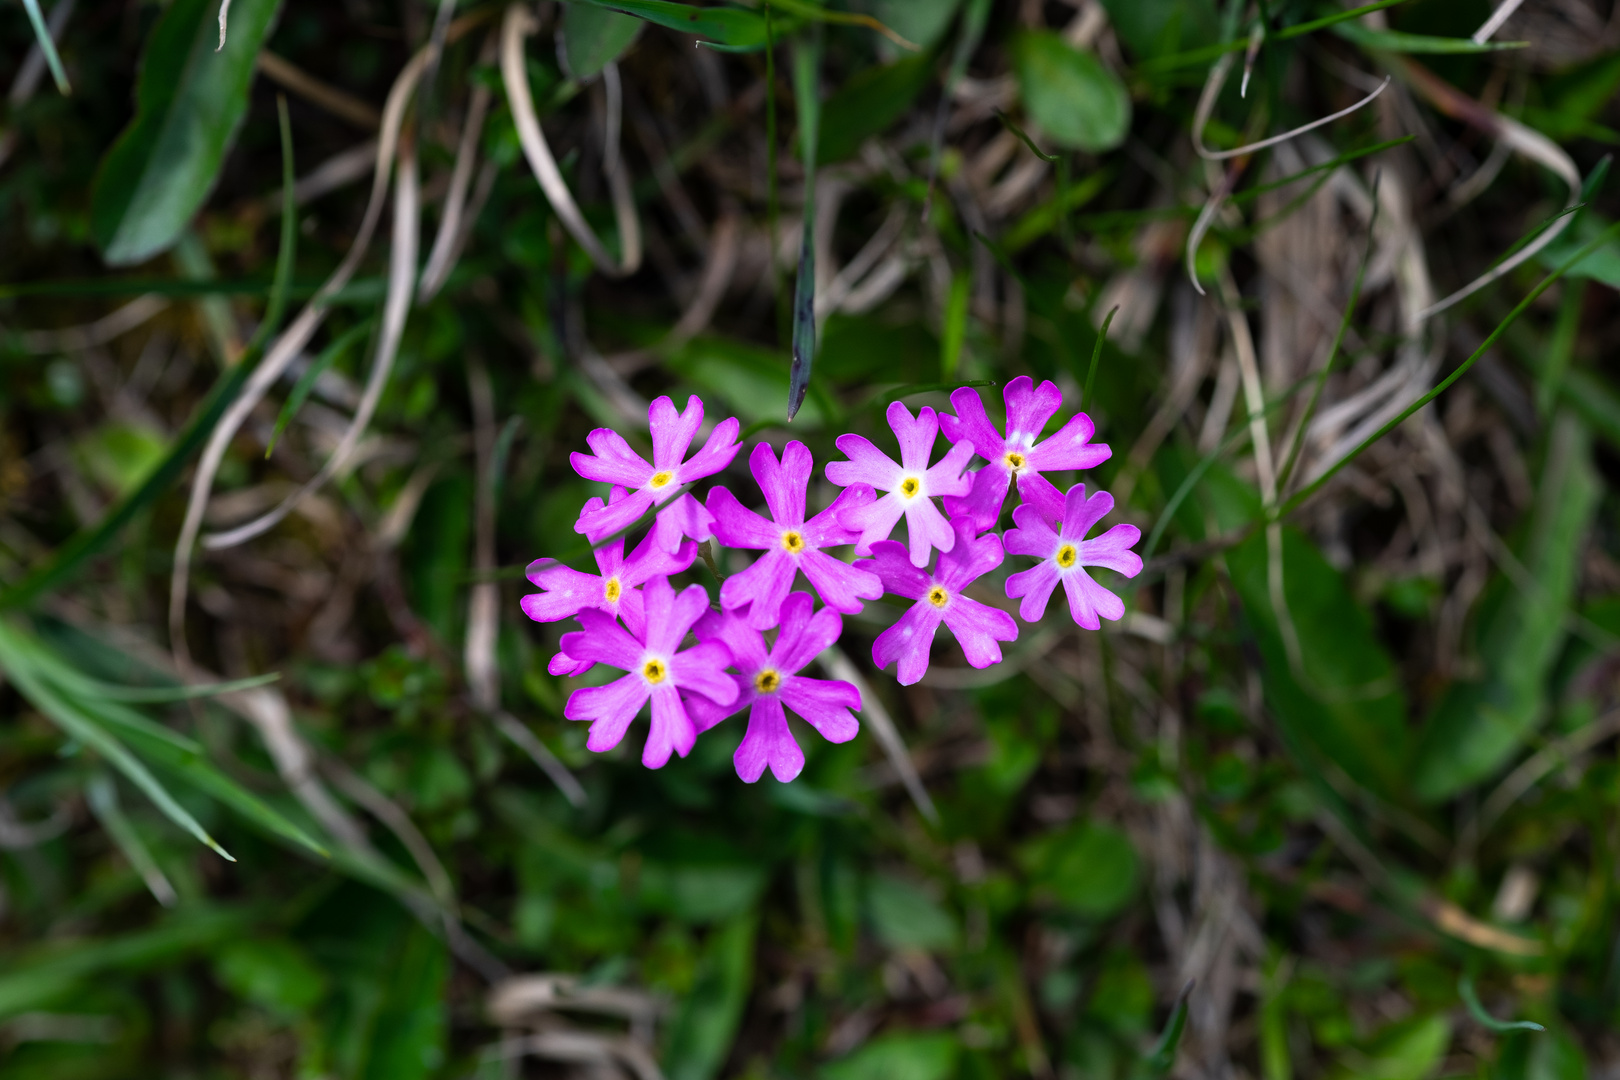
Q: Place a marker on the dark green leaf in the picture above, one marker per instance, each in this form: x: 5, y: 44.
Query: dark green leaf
x: 188, y: 104
x: 1396, y: 42
x: 1077, y: 102
x: 867, y: 104
x: 898, y: 1057
x: 1089, y: 868
x: 595, y: 36
x: 724, y: 28
x: 704, y: 1025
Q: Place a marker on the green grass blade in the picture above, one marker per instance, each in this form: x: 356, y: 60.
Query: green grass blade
x: 1096, y: 355
x: 47, y: 45
x: 102, y: 796
x: 807, y: 94
x: 1396, y: 42
x: 1208, y: 53
x: 306, y: 381
x: 1470, y: 998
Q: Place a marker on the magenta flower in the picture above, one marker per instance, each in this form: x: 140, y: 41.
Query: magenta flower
x: 1065, y: 553
x: 768, y: 681
x: 614, y: 462
x: 1016, y: 454
x: 911, y: 485
x: 791, y: 544
x: 615, y: 589
x: 656, y: 671
x: 978, y: 627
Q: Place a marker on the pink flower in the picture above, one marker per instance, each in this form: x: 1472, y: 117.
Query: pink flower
x: 1065, y: 553
x: 978, y: 627
x: 652, y: 485
x: 656, y: 671
x: 790, y: 543
x: 911, y: 485
x: 767, y: 681
x: 1017, y: 454
x: 615, y: 589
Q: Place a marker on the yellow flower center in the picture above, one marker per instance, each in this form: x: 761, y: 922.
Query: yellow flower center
x: 1065, y: 556
x: 937, y: 596
x: 910, y: 486
x: 768, y: 681
x: 654, y: 671
x: 1014, y: 460
x: 792, y: 542
x: 661, y: 478
x: 612, y: 590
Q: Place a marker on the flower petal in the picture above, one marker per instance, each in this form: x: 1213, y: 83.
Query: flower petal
x: 971, y: 423
x: 1081, y: 513
x: 1034, y: 535
x: 971, y: 558
x: 983, y: 502
x: 744, y: 645
x: 717, y: 453
x: 893, y: 568
x: 564, y: 666
x: 946, y: 476
x: 1113, y: 550
x: 760, y: 588
x: 702, y: 669
x: 613, y: 461
x: 805, y: 634
x: 567, y: 593
x: 672, y: 431
x: 927, y: 529
x: 916, y: 435
x: 607, y: 520
x: 1089, y: 600
x: 682, y: 519
x: 768, y: 742
x: 609, y: 709
x: 866, y: 465
x: 1029, y: 407
x: 875, y: 521
x: 841, y: 586
x: 671, y: 729
x: 1035, y: 585
x: 1070, y: 447
x: 785, y: 484
x: 908, y: 641
x: 827, y: 528
x: 603, y: 641
x: 978, y: 629
x: 736, y: 526
x: 1036, y: 491
x: 825, y: 705
x: 705, y: 714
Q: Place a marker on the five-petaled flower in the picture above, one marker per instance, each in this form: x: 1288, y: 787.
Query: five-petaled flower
x: 978, y: 627
x: 1065, y: 553
x: 615, y: 589
x: 1016, y: 455
x: 789, y: 541
x: 657, y: 667
x: 910, y: 485
x: 768, y: 680
x: 613, y: 462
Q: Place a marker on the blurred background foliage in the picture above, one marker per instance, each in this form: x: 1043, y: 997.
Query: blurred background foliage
x: 298, y: 800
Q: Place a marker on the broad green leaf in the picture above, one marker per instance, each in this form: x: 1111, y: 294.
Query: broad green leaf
x: 930, y: 1056
x: 1089, y: 868
x: 409, y: 1034
x: 922, y: 22
x: 706, y: 1022
x: 905, y: 917
x: 1157, y: 27
x: 725, y: 28
x: 1076, y: 101
x: 1409, y: 1050
x: 1601, y: 265
x: 188, y: 104
x: 1345, y: 710
x: 1479, y: 725
x: 1551, y: 1055
x: 121, y: 454
x: 1396, y: 42
x: 868, y: 103
x: 595, y: 36
x: 270, y: 972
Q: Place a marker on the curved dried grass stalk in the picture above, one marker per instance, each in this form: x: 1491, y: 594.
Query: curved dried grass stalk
x: 519, y: 23
x: 1212, y: 92
x: 116, y: 323
x: 1498, y: 17
x: 1516, y: 136
x: 224, y: 15
x: 281, y: 354
x: 447, y: 242
x: 396, y: 308
x: 839, y: 666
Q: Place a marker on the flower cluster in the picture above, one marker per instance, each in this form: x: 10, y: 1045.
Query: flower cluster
x: 699, y: 664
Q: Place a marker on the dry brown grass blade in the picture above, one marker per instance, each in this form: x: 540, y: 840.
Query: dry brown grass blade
x: 1212, y: 92
x: 340, y: 103
x: 1501, y: 15
x: 518, y: 24
x: 94, y: 334
x: 396, y: 309
x: 840, y: 667
x: 448, y: 241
